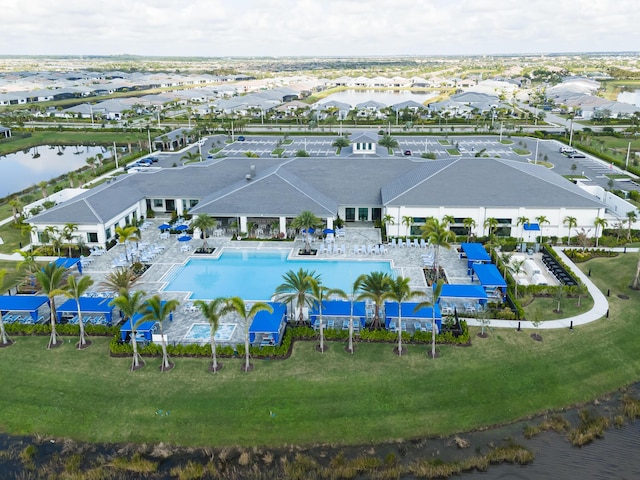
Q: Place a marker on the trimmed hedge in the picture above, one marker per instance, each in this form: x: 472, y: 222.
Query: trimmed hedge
x: 64, y: 329
x: 118, y: 348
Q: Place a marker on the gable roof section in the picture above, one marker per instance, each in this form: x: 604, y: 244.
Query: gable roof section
x: 491, y: 182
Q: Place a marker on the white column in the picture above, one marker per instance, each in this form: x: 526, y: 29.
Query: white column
x: 283, y: 226
x: 243, y: 224
x: 330, y: 222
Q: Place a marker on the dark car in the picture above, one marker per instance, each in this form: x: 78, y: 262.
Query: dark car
x: 241, y: 138
x: 153, y: 159
x: 407, y: 153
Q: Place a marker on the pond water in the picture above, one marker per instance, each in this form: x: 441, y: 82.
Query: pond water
x: 21, y: 170
x: 632, y: 97
x: 388, y: 97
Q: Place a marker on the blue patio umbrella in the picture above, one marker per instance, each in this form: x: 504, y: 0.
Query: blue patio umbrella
x: 164, y: 226
x: 311, y: 230
x: 181, y: 228
x: 328, y: 230
x: 184, y: 238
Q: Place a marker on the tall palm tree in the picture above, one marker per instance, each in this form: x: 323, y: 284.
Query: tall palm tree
x: 238, y: 305
x: 387, y: 220
x: 49, y: 279
x: 570, y: 222
x: 438, y: 235
x: 491, y: 224
x: 374, y: 286
x: 469, y: 223
x: 205, y: 223
x: 4, y: 340
x: 156, y: 309
x: 191, y: 157
x: 407, y: 221
x: 522, y: 221
x: 542, y: 219
x: 75, y: 289
x: 297, y: 286
x: 600, y: 224
x: 127, y: 234
x: 68, y: 233
x: 516, y: 268
x: 448, y: 220
x: 631, y: 217
x: 319, y: 293
x: 305, y: 221
x: 213, y: 311
x: 400, y: 291
x: 129, y: 305
x: 119, y: 280
x: 437, y: 290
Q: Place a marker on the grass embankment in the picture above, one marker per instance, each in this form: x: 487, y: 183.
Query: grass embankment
x: 51, y: 137
x: 332, y: 397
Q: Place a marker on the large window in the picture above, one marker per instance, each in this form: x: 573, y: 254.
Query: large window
x: 107, y: 233
x: 158, y: 203
x: 363, y: 214
x: 92, y: 237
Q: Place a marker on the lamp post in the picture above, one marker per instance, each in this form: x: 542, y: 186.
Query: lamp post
x: 535, y: 160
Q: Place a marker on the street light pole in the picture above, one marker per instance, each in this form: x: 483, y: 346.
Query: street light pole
x: 535, y: 160
x: 571, y: 132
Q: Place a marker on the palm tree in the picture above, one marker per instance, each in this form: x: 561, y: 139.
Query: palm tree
x: 631, y: 217
x: 68, y: 233
x: 469, y: 224
x: 522, y: 221
x: 375, y: 287
x: 505, y: 258
x: 49, y: 279
x: 387, y: 220
x: 75, y: 289
x: 50, y: 234
x: 119, y: 280
x: 129, y: 305
x: 4, y: 340
x: 16, y: 209
x: 340, y: 143
x: 516, y: 269
x: 127, y: 234
x: 305, y: 221
x: 448, y: 220
x: 570, y: 222
x: 297, y: 286
x: 600, y: 224
x: 388, y: 141
x: 156, y: 309
x: 438, y: 235
x: 191, y: 157
x: 634, y: 284
x: 400, y: 291
x: 432, y: 304
x: 204, y: 223
x: 407, y: 221
x: 213, y: 311
x: 491, y: 224
x: 238, y: 305
x: 319, y: 293
x: 542, y: 219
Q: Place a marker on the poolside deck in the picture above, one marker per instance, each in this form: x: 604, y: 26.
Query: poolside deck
x: 407, y: 261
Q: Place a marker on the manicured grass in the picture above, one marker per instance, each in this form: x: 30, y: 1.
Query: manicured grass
x: 277, y: 151
x: 521, y: 151
x: 544, y: 308
x: 332, y: 397
x: 506, y: 142
x: 444, y: 142
x: 453, y: 151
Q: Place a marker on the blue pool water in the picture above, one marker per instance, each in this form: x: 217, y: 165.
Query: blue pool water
x: 254, y: 275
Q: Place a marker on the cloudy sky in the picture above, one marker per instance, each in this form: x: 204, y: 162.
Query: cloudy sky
x: 316, y: 27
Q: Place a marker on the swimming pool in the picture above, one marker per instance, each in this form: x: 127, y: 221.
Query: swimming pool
x: 254, y: 275
x: 201, y: 332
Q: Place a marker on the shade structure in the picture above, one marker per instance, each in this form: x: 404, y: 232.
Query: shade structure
x: 268, y: 328
x: 339, y: 309
x: 489, y: 276
x: 145, y: 329
x: 409, y: 313
x: 164, y: 226
x: 328, y: 230
x: 181, y: 228
x: 184, y: 238
x: 69, y: 262
x: 88, y: 305
x: 311, y: 230
x: 23, y: 303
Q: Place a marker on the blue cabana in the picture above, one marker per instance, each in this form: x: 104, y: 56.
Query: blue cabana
x: 268, y: 328
x: 472, y: 292
x: 409, y: 313
x: 332, y: 309
x: 490, y: 277
x: 475, y: 253
x: 23, y: 303
x: 144, y: 331
x: 69, y: 262
x: 88, y: 305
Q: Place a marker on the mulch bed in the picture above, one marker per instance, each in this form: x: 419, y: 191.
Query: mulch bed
x: 324, y: 348
x: 244, y: 368
x: 87, y: 344
x: 622, y: 296
x: 404, y: 351
x: 219, y: 367
x: 483, y: 335
x: 536, y: 337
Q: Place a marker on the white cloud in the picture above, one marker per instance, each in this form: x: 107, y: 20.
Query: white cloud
x: 316, y: 27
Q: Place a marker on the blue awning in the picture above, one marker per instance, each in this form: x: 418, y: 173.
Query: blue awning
x: 475, y: 252
x: 146, y: 329
x: 408, y: 311
x: 489, y: 276
x: 476, y: 292
x: 339, y: 308
x: 95, y: 305
x: 269, y: 325
x: 69, y: 262
x: 22, y: 303
x: 531, y: 227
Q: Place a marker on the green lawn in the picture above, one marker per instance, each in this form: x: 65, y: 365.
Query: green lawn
x: 521, y: 151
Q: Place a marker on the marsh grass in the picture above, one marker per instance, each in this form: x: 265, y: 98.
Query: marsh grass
x: 136, y: 464
x: 591, y: 426
x: 555, y: 423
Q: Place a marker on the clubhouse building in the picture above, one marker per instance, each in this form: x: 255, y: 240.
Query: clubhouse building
x: 273, y: 191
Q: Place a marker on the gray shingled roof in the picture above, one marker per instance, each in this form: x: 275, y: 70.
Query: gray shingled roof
x: 490, y: 182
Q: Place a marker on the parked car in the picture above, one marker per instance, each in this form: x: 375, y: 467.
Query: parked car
x: 241, y: 138
x: 153, y: 159
x: 576, y: 155
x: 407, y: 153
